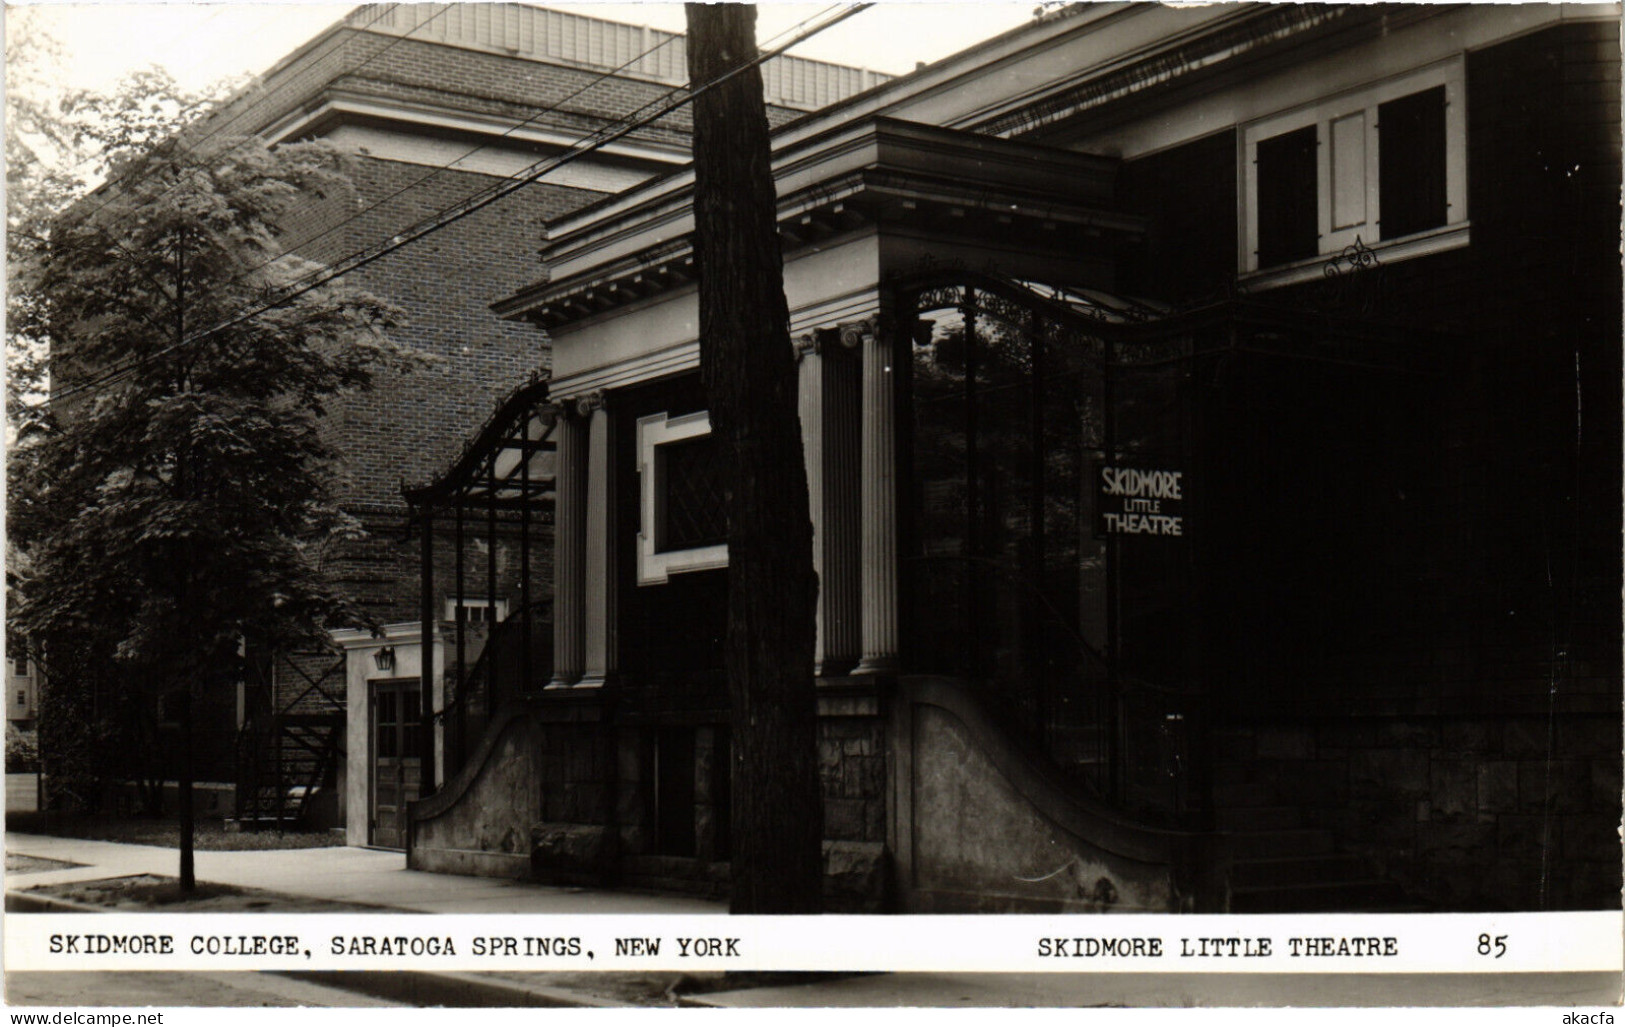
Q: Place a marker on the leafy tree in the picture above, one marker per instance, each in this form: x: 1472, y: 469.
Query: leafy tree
x: 61, y: 140
x: 177, y: 496
x: 748, y: 370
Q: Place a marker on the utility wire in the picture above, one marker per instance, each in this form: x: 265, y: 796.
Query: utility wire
x: 458, y: 211
x: 554, y: 108
x: 450, y: 165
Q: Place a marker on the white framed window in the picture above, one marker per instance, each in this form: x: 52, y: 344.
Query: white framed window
x: 1384, y: 166
x: 681, y: 522
x: 477, y: 611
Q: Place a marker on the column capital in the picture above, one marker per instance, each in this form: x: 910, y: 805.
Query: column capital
x: 586, y: 403
x: 853, y: 334
x: 557, y: 410
x: 848, y: 336
x: 575, y: 408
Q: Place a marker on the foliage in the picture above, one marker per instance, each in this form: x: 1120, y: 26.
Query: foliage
x: 178, y: 496
x: 22, y: 750
x: 59, y: 142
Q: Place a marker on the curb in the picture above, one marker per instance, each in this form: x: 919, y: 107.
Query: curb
x: 423, y: 988
x: 23, y: 902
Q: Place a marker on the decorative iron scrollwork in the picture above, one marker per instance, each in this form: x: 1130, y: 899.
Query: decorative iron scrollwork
x: 1353, y: 280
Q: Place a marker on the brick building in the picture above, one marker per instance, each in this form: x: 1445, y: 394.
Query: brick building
x: 437, y: 103
x: 1241, y: 534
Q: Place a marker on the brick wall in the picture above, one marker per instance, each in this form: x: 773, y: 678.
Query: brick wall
x: 372, y: 64
x: 408, y: 429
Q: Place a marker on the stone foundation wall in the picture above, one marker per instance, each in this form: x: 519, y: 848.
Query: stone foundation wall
x: 852, y: 770
x: 1509, y: 812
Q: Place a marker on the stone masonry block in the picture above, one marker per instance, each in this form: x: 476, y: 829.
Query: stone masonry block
x: 1591, y: 838
x: 1605, y: 785
x: 566, y: 847
x: 1455, y: 790
x: 843, y: 819
x: 1402, y: 772
x: 1285, y: 743
x: 1524, y: 737
x: 1466, y: 736
x: 1521, y: 836
x: 1556, y: 785
x: 872, y: 777
x: 1588, y: 736
x: 874, y: 821
x: 1466, y: 843
x: 1404, y: 734
x: 1498, y: 786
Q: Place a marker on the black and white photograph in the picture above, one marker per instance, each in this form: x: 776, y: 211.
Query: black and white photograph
x: 892, y: 506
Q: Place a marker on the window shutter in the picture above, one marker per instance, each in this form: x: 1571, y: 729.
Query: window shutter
x: 1288, y: 214
x: 1411, y: 163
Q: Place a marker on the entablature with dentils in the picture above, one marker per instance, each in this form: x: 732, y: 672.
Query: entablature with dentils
x: 883, y: 173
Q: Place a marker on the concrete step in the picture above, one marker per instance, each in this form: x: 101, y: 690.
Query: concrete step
x: 1300, y: 841
x: 1356, y: 896
x: 1291, y: 871
x: 1258, y: 818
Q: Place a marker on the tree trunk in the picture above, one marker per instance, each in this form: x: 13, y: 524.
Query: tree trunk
x: 748, y: 370
x: 187, y: 821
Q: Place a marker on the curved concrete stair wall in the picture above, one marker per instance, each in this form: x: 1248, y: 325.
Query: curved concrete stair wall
x: 977, y: 825
x: 479, y: 823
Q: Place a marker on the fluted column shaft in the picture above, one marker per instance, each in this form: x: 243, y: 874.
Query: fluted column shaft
x: 879, y: 503
x: 570, y: 544
x: 829, y: 406
x: 599, y: 589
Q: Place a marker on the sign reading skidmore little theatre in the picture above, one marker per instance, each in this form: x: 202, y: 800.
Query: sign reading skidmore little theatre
x: 1138, y: 501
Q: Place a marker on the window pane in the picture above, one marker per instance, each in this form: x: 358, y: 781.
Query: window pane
x: 1411, y: 163
x: 694, y: 496
x: 1348, y: 171
x: 1287, y: 213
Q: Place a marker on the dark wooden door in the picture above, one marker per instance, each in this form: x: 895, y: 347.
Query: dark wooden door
x: 397, y: 765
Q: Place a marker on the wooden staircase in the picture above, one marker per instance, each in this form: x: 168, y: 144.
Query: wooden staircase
x: 284, y: 759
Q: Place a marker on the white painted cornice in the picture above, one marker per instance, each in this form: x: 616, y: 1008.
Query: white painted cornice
x: 337, y: 106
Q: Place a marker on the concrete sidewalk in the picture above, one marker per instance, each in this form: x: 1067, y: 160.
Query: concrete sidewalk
x: 369, y: 876
x: 380, y: 878
x: 1166, y: 990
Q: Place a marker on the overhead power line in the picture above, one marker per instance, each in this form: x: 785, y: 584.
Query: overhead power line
x: 460, y: 210
x: 555, y: 107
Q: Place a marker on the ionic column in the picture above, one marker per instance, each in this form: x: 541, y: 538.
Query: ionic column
x: 878, y: 489
x: 600, y: 542
x: 570, y: 543
x: 829, y: 433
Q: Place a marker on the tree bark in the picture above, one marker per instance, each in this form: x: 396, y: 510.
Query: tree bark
x: 747, y: 367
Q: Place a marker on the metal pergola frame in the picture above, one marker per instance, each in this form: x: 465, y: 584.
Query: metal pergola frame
x: 503, y: 480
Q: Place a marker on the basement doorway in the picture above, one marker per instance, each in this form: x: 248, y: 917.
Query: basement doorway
x: 397, y: 769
